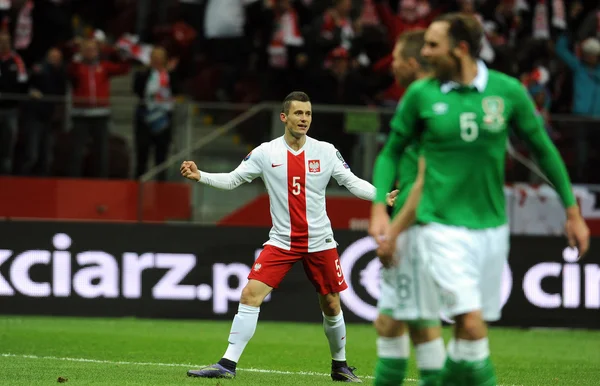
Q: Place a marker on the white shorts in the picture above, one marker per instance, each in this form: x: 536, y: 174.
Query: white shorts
x: 467, y: 266
x: 408, y: 292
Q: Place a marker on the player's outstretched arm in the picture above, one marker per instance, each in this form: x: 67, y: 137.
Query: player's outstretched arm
x: 249, y: 169
x: 357, y: 186
x: 225, y: 181
x: 531, y: 129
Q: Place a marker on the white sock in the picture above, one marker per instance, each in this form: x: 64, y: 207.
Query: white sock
x: 453, y: 350
x: 473, y: 350
x: 395, y: 348
x: 431, y: 355
x: 335, y: 331
x: 242, y: 329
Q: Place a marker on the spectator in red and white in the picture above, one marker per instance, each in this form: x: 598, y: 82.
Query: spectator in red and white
x: 333, y: 29
x: 90, y: 80
x: 286, y: 51
x: 106, y: 51
x: 13, y: 83
x: 412, y: 15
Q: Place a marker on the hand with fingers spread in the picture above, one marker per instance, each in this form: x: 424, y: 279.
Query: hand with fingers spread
x: 189, y: 170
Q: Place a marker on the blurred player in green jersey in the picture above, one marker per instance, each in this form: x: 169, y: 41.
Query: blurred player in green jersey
x: 403, y: 278
x: 461, y: 117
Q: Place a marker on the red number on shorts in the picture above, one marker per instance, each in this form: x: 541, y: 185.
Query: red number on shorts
x: 338, y: 267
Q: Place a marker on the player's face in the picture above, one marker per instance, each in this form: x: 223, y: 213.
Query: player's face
x: 402, y: 69
x: 298, y: 119
x: 438, y: 51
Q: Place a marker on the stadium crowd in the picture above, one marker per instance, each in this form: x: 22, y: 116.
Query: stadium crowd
x: 338, y: 51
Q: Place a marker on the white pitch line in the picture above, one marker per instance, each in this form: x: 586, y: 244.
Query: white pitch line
x: 189, y: 365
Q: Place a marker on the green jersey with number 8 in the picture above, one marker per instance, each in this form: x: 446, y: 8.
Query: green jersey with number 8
x: 462, y: 133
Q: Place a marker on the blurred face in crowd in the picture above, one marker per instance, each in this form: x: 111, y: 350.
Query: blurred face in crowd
x: 158, y: 58
x: 89, y: 50
x: 438, y: 51
x: 408, y: 11
x: 55, y: 57
x: 283, y: 5
x: 340, y: 66
x: 467, y: 6
x: 344, y: 7
x: 404, y: 70
x: 4, y: 43
x: 298, y: 118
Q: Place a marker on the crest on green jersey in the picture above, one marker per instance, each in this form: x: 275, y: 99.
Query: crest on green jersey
x: 493, y: 107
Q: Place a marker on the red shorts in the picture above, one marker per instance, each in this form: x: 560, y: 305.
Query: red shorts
x: 322, y: 268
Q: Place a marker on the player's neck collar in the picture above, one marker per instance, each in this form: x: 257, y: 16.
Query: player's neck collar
x: 480, y: 81
x: 300, y: 150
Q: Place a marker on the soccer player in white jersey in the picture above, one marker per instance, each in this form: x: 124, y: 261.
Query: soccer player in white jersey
x: 296, y: 170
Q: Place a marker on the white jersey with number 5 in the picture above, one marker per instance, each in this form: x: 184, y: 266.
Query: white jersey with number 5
x: 296, y: 182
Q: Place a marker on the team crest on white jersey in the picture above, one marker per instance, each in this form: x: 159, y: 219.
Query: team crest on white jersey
x: 314, y: 166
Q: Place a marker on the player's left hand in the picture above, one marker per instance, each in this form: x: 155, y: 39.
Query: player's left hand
x: 390, y: 198
x: 578, y: 232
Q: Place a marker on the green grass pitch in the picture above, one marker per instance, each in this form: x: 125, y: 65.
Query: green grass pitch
x: 39, y: 350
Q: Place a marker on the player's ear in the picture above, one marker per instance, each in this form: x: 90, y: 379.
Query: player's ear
x: 283, y: 117
x: 461, y: 49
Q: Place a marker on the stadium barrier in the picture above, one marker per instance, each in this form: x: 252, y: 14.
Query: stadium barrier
x: 184, y: 271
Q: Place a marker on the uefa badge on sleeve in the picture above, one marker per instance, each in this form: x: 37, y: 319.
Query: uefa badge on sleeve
x: 246, y: 158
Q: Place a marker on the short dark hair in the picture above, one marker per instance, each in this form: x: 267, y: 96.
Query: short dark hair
x: 464, y: 28
x: 293, y: 96
x: 413, y: 42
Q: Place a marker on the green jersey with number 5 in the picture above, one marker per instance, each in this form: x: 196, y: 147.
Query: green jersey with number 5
x: 462, y: 133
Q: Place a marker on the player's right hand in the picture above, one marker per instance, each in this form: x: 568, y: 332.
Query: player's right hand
x: 189, y: 170
x: 386, y: 250
x: 577, y: 230
x: 379, y: 224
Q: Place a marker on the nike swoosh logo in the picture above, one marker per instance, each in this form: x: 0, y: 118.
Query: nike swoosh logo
x: 340, y: 282
x: 275, y: 165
